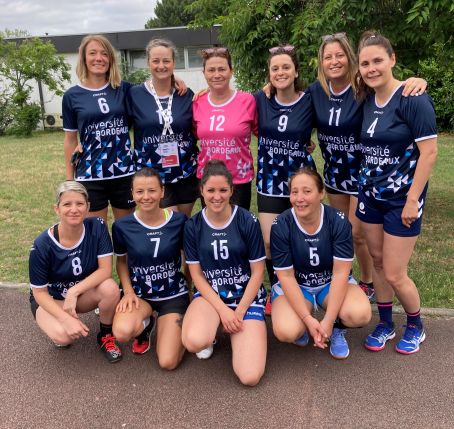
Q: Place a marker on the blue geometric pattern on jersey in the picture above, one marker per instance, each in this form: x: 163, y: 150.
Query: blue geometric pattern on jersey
x: 224, y: 253
x: 311, y: 255
x: 59, y: 267
x: 100, y: 117
x: 154, y: 255
x: 148, y: 127
x: 390, y: 153
x: 284, y: 131
x: 338, y: 120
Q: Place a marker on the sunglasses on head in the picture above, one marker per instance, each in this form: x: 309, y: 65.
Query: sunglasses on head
x: 335, y: 36
x: 215, y: 50
x: 285, y: 48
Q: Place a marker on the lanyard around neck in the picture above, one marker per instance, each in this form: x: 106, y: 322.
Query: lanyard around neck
x: 165, y: 114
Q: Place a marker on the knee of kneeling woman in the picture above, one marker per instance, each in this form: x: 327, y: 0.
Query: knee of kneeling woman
x: 122, y: 333
x: 168, y: 362
x: 109, y: 289
x: 284, y: 335
x: 192, y: 343
x: 249, y: 377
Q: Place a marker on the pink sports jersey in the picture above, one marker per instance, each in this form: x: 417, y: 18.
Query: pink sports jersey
x: 224, y: 132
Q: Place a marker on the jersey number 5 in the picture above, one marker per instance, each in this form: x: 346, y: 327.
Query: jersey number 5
x: 220, y: 249
x: 314, y: 259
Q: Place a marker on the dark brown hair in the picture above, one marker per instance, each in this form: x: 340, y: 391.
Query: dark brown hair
x: 370, y: 38
x: 309, y: 172
x: 147, y: 172
x: 285, y: 49
x: 216, y: 167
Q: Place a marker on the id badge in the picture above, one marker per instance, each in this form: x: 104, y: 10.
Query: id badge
x: 169, y: 154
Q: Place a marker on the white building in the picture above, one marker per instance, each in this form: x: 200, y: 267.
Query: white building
x: 131, y: 47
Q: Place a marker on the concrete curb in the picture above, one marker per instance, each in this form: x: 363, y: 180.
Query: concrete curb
x: 425, y: 311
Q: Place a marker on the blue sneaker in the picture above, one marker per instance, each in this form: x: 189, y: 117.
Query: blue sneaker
x: 302, y: 341
x: 376, y: 341
x: 409, y: 343
x: 339, y: 346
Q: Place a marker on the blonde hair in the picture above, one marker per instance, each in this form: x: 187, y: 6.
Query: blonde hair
x: 113, y: 75
x: 70, y: 186
x: 342, y: 39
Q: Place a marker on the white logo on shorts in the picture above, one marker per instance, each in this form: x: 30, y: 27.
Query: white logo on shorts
x: 361, y: 208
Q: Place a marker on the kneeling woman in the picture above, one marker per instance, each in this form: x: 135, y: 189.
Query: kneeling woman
x: 70, y: 273
x: 226, y: 257
x: 312, y: 253
x: 148, y: 245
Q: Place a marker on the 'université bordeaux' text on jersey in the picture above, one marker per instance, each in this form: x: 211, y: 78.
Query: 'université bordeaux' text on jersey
x: 154, y: 255
x: 58, y: 268
x: 100, y: 117
x: 338, y: 120
x: 388, y: 137
x: 148, y: 126
x: 224, y: 253
x: 224, y: 132
x: 284, y: 132
x: 311, y: 255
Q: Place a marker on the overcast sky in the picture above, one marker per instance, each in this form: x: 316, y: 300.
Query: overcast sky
x: 57, y: 17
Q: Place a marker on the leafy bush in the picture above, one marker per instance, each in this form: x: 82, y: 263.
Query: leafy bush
x: 6, y: 114
x: 439, y: 74
x: 26, y: 120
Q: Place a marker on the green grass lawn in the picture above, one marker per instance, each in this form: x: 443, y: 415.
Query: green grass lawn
x: 31, y: 169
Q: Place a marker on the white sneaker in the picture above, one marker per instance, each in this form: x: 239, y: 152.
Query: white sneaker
x: 205, y: 353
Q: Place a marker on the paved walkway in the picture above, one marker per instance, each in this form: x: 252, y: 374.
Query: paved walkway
x: 303, y: 388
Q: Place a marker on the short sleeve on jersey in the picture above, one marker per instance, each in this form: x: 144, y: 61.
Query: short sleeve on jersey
x: 342, y: 238
x: 419, y: 114
x: 38, y: 271
x: 190, y: 242
x: 69, y: 114
x: 280, y: 244
x: 252, y: 235
x: 119, y: 244
x: 104, y: 241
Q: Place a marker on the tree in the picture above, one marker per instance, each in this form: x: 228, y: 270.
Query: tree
x: 24, y: 61
x: 171, y: 13
x: 251, y: 27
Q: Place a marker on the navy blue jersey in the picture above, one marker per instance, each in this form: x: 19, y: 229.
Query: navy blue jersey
x: 100, y: 117
x: 58, y: 268
x: 148, y: 126
x: 338, y: 120
x: 224, y: 253
x: 154, y: 255
x: 388, y: 137
x: 311, y: 255
x: 284, y: 132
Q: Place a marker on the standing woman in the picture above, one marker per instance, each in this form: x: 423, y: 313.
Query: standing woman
x: 70, y: 273
x: 148, y: 246
x: 338, y: 118
x: 284, y: 129
x: 399, y: 145
x: 312, y: 252
x: 96, y: 110
x: 163, y: 137
x: 223, y: 120
x: 224, y: 250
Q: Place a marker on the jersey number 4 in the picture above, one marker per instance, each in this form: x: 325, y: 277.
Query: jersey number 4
x: 220, y: 249
x: 371, y: 129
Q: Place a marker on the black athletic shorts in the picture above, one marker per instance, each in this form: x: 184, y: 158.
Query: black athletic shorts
x: 116, y: 191
x: 178, y: 305
x: 185, y: 191
x: 268, y: 204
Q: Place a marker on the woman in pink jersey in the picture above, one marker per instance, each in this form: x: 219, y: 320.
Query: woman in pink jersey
x: 224, y: 119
